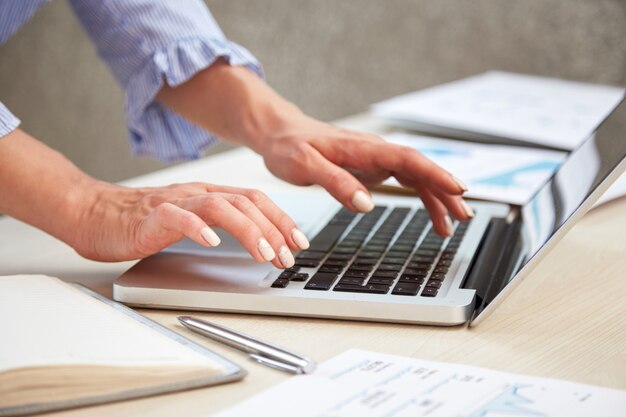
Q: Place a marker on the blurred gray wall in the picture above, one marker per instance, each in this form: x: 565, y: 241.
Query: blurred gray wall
x: 331, y: 57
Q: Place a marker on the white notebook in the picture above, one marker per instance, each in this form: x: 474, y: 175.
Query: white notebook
x: 63, y: 346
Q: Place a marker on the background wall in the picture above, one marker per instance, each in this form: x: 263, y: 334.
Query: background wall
x: 331, y: 57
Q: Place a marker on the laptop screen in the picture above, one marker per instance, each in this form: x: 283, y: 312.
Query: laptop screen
x: 573, y: 184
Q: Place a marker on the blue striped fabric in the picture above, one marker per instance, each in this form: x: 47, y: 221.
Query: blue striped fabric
x: 146, y: 43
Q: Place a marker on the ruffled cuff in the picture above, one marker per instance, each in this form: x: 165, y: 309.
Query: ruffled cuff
x: 8, y: 122
x: 154, y: 129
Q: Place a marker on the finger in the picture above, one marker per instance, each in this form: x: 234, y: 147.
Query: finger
x: 294, y: 237
x: 217, y: 211
x: 270, y: 231
x: 168, y: 223
x: 436, y: 209
x: 339, y: 183
x: 401, y: 160
x: 456, y: 205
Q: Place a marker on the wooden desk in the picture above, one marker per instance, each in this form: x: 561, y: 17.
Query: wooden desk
x: 565, y: 321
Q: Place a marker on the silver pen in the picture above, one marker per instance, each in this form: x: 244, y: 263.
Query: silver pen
x: 261, y: 352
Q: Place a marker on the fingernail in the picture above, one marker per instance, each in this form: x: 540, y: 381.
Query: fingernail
x: 449, y: 227
x: 266, y: 250
x: 468, y: 210
x: 300, y: 239
x: 285, y: 256
x: 459, y: 183
x: 210, y: 236
x: 362, y: 202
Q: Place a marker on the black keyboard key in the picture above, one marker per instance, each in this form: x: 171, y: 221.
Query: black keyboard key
x: 385, y: 274
x: 441, y: 269
x: 393, y: 261
x: 406, y: 288
x: 438, y: 276
x: 369, y: 288
x: 331, y: 268
x: 381, y: 281
x: 356, y: 274
x: 352, y: 281
x: 433, y: 283
x: 412, y: 278
x: 307, y: 263
x: 339, y: 257
x: 299, y: 277
x: 327, y: 237
x: 429, y: 292
x: 365, y: 261
x: 321, y: 281
x: 360, y: 267
x: 307, y: 254
x: 280, y: 283
x: 388, y: 267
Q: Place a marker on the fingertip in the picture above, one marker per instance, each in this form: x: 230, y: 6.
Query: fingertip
x: 462, y: 186
x: 362, y: 201
x: 210, y: 236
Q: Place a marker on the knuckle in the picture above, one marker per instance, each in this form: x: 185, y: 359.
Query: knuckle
x: 240, y: 201
x: 273, y: 235
x: 257, y: 197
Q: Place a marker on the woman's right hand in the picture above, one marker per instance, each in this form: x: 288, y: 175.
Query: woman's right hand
x: 124, y: 223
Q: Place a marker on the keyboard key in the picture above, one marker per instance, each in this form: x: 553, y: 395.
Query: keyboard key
x: 429, y: 292
x: 307, y: 254
x: 356, y: 274
x: 280, y: 283
x: 406, y: 288
x: 327, y: 237
x: 393, y: 261
x: 438, y: 276
x: 369, y: 288
x: 387, y: 267
x: 381, y: 280
x: 331, y: 268
x: 411, y: 278
x: 307, y: 263
x: 352, y: 281
x: 299, y: 277
x: 359, y: 267
x: 433, y: 283
x: 384, y: 274
x: 321, y: 281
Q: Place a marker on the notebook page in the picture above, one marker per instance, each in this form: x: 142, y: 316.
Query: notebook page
x: 44, y: 321
x: 369, y: 384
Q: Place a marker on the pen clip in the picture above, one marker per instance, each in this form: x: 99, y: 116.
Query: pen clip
x: 273, y: 363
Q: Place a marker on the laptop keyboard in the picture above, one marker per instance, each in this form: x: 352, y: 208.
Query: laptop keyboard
x: 376, y: 257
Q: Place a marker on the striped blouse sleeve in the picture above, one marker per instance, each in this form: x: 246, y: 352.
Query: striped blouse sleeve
x: 8, y: 122
x: 148, y: 42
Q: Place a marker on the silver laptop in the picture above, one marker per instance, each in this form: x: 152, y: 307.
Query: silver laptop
x: 387, y: 265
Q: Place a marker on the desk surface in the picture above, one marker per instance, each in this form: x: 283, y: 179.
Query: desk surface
x: 565, y: 321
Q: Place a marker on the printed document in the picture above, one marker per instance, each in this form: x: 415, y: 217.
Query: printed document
x: 368, y: 384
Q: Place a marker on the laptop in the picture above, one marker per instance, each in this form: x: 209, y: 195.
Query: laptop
x: 387, y: 265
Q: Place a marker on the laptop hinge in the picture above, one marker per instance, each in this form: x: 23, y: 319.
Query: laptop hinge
x: 496, y: 259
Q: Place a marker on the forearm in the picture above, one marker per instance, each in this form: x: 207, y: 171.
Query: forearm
x: 232, y: 103
x: 41, y: 187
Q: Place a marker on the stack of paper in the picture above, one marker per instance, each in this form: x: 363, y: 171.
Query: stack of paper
x: 504, y: 106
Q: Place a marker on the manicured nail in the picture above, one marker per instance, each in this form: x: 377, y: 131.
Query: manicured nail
x: 467, y: 209
x: 300, y: 239
x: 285, y: 256
x: 210, y: 236
x: 459, y: 183
x: 449, y: 227
x: 266, y: 250
x: 362, y: 202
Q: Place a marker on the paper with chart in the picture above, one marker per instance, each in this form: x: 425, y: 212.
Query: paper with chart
x: 544, y: 111
x: 368, y: 384
x: 509, y: 174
